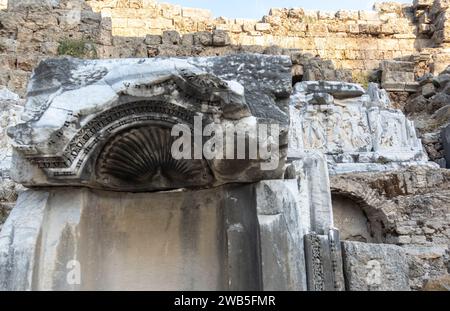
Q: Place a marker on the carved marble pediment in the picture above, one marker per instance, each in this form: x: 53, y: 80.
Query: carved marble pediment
x: 356, y: 131
x: 107, y: 123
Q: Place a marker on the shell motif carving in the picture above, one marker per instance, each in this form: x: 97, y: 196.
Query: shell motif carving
x: 140, y: 160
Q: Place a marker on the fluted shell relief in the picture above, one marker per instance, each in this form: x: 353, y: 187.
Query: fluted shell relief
x: 140, y: 160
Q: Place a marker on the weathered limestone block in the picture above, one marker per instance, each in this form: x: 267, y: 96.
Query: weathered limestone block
x: 311, y: 171
x: 281, y: 229
x: 398, y: 76
x: 201, y: 14
x: 204, y: 38
x: 375, y: 267
x: 263, y: 27
x: 80, y: 113
x: 171, y: 37
x: 369, y: 15
x: 221, y: 38
x: 153, y: 40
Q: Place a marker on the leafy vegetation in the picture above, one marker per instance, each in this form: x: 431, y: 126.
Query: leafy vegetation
x: 362, y: 78
x: 77, y: 48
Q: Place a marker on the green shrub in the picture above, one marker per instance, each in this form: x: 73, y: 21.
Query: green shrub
x: 362, y: 78
x: 77, y: 48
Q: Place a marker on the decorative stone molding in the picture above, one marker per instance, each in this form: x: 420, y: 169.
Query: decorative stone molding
x: 357, y: 131
x: 82, y: 116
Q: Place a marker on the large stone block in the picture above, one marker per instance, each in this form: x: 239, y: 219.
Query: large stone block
x: 221, y: 38
x: 281, y: 230
x: 84, y: 120
x: 398, y: 76
x: 171, y: 37
x: 78, y: 239
x: 375, y: 267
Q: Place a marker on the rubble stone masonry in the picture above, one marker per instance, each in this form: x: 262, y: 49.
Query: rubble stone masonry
x: 356, y: 40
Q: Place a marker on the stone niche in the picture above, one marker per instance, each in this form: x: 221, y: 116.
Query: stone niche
x: 350, y: 219
x: 110, y: 209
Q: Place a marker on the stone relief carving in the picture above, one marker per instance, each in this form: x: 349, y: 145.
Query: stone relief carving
x: 355, y: 130
x: 316, y: 278
x: 324, y: 261
x: 314, y: 130
x: 142, y: 158
x: 73, y: 124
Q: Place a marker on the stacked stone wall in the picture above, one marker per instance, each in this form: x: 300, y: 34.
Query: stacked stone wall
x: 31, y: 34
x: 357, y: 40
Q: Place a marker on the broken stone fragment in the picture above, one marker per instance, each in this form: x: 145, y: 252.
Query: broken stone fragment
x: 339, y: 90
x: 322, y: 99
x: 204, y: 38
x: 171, y: 37
x: 221, y: 38
x: 153, y: 40
x: 428, y: 90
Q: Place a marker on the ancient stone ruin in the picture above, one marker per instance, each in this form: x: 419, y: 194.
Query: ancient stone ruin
x: 146, y: 146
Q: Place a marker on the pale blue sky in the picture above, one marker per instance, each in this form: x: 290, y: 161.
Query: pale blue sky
x: 258, y: 8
